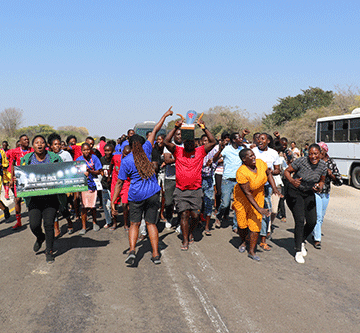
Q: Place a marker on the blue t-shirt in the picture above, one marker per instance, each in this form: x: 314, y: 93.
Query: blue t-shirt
x: 117, y: 148
x: 140, y: 189
x: 93, y: 164
x: 232, y: 161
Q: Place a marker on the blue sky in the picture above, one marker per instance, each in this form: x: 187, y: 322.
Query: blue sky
x: 106, y: 65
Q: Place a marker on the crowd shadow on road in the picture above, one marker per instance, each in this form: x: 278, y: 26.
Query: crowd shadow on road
x: 62, y: 245
x: 286, y: 243
x: 10, y: 231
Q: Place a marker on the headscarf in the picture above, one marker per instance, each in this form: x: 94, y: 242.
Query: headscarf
x: 324, y: 146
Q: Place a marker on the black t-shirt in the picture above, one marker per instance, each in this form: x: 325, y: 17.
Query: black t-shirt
x: 106, y: 179
x: 97, y: 153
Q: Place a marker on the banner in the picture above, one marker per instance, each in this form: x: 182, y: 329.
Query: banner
x: 53, y: 178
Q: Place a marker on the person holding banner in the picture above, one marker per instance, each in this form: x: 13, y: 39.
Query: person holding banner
x: 144, y: 191
x: 88, y: 198
x: 43, y: 207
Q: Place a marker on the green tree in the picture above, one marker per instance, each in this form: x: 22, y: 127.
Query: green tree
x: 289, y: 108
x: 41, y: 129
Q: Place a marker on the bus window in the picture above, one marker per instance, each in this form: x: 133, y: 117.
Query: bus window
x: 341, y: 130
x: 326, y: 131
x: 355, y: 130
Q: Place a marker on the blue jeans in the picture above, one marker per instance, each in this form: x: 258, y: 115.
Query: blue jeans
x: 106, y: 202
x: 267, y: 205
x: 227, y: 188
x: 208, y: 190
x: 322, y: 201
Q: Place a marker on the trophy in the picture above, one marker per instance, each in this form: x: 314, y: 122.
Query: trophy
x: 188, y: 128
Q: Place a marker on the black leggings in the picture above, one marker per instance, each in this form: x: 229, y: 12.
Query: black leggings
x: 43, y: 207
x: 303, y: 206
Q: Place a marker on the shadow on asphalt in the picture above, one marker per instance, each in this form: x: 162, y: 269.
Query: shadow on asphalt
x: 62, y: 245
x: 286, y: 243
x: 9, y: 231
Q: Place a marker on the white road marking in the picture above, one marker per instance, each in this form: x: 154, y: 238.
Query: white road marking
x: 206, y: 303
x: 181, y: 295
x: 213, y: 276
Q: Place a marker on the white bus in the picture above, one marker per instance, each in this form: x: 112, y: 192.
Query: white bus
x: 342, y: 135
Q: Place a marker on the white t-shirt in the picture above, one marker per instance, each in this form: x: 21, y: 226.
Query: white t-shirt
x: 269, y: 156
x: 65, y: 156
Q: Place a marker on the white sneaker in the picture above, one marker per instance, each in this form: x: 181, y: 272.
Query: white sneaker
x: 168, y: 225
x: 178, y: 230
x: 299, y: 258
x: 303, y: 250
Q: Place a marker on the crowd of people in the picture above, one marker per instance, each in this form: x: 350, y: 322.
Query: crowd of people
x: 182, y: 183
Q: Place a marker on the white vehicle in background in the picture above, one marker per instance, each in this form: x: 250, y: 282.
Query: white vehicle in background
x: 342, y: 135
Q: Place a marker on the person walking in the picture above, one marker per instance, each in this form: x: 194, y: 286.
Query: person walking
x: 308, y: 178
x: 322, y: 198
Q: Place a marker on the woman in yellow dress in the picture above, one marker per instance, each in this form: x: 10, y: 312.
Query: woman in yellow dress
x: 249, y: 198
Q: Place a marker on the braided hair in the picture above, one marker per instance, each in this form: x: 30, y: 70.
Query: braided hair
x: 142, y: 163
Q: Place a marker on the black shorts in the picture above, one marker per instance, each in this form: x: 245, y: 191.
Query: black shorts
x: 188, y: 200
x: 147, y: 208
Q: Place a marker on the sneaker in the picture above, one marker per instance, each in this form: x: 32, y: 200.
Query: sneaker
x: 299, y: 258
x: 303, y: 250
x: 168, y: 225
x: 37, y: 245
x: 131, y: 258
x: 82, y: 232
x: 50, y: 257
x: 156, y: 260
x: 6, y: 213
x: 96, y: 227
x: 178, y: 230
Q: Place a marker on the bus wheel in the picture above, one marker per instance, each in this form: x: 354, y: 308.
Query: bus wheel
x: 355, y: 177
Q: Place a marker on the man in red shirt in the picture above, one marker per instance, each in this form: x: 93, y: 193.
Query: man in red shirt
x: 188, y: 192
x: 15, y: 157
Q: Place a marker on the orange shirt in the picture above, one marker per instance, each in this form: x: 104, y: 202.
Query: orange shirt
x: 257, y: 181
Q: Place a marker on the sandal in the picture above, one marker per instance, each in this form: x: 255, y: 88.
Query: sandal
x: 207, y: 232
x: 156, y: 260
x: 265, y: 247
x: 317, y: 245
x: 191, y: 240
x: 112, y: 228
x: 131, y: 258
x: 106, y: 226
x: 184, y: 247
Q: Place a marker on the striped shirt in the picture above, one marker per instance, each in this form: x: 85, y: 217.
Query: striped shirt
x: 310, y: 173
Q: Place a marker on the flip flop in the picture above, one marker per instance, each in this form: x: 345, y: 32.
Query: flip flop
x: 265, y: 247
x: 256, y: 258
x: 207, y: 232
x: 191, y: 240
x: 184, y: 247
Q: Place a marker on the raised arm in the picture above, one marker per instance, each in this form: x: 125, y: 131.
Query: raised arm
x: 212, y: 141
x: 158, y: 126
x: 167, y: 141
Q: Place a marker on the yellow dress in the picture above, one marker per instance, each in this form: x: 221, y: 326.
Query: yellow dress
x: 247, y: 216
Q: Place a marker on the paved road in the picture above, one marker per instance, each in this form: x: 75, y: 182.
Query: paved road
x: 210, y: 288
